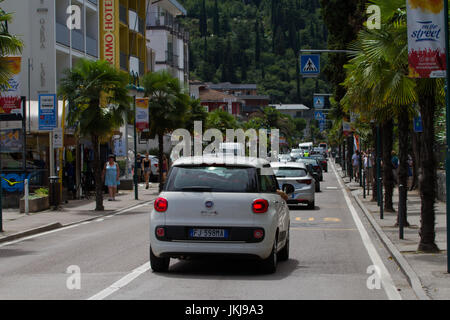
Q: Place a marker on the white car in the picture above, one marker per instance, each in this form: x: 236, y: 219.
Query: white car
x: 229, y: 208
x: 296, y: 174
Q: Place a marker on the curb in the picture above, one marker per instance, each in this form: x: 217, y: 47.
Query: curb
x: 58, y: 225
x: 406, y: 269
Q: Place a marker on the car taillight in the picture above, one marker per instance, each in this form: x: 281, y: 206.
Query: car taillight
x: 306, y: 181
x: 260, y: 206
x: 156, y: 165
x: 316, y: 167
x: 161, y: 205
x: 258, y: 234
x: 160, y: 232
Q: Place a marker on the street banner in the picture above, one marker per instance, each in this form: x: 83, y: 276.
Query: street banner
x: 48, y: 112
x: 426, y: 38
x: 346, y: 127
x: 142, y: 114
x: 11, y: 140
x: 10, y: 101
x: 356, y: 142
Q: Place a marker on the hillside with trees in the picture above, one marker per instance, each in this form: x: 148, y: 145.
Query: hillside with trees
x: 256, y: 41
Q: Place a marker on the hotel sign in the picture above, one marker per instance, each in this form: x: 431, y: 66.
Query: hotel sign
x: 109, y: 30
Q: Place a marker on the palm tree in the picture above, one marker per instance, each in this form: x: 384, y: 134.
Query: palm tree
x: 379, y: 87
x: 383, y: 89
x: 98, y: 103
x: 9, y: 45
x: 168, y: 107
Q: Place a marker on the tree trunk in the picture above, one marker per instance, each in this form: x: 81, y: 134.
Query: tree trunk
x: 416, y: 159
x: 403, y: 133
x: 160, y: 159
x: 388, y: 176
x: 343, y: 156
x: 373, y: 156
x: 428, y: 177
x: 349, y: 156
x: 98, y: 175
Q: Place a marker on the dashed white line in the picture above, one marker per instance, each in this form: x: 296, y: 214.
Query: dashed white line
x: 121, y: 283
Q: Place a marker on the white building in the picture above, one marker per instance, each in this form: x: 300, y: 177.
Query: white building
x: 168, y: 40
x: 49, y: 46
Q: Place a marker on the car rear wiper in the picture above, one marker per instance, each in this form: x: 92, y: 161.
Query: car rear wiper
x: 197, y: 188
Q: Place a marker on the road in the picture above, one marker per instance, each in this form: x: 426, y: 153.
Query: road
x: 332, y: 249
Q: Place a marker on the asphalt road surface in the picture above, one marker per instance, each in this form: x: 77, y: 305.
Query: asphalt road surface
x: 333, y: 251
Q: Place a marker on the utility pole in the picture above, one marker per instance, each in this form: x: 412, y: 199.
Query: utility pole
x: 135, y: 153
x: 447, y: 108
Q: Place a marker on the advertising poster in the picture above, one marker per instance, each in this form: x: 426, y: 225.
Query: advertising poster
x: 426, y: 38
x: 10, y: 102
x: 11, y: 140
x: 142, y: 114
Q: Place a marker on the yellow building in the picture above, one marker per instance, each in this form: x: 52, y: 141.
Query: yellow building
x: 122, y: 34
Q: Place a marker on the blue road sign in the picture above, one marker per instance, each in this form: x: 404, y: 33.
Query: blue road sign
x: 318, y: 115
x: 310, y: 65
x: 319, y: 102
x: 418, y: 125
x: 48, y: 112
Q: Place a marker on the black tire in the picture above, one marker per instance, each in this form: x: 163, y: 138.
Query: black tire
x: 159, y: 264
x: 269, y: 265
x: 283, y: 255
x: 317, y: 187
x: 312, y: 205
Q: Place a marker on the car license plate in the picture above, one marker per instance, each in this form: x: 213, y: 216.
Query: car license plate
x: 208, y: 233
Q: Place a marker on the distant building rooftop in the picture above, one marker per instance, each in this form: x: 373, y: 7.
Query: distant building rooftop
x: 253, y: 97
x: 232, y: 86
x: 290, y: 107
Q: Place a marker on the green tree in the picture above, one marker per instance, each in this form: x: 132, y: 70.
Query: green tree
x: 168, y: 107
x: 98, y: 104
x: 9, y: 45
x: 221, y: 120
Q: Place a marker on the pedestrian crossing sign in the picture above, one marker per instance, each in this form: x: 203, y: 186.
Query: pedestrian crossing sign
x: 310, y: 65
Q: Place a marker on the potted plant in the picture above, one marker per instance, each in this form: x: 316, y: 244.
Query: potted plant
x: 37, y: 201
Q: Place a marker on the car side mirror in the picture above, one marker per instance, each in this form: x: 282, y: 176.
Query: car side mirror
x: 288, y: 188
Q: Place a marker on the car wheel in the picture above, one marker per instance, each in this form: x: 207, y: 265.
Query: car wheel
x: 312, y: 205
x: 269, y: 265
x: 283, y: 255
x: 158, y: 264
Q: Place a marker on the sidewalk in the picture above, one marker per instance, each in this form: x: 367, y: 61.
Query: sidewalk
x: 17, y: 225
x: 429, y: 269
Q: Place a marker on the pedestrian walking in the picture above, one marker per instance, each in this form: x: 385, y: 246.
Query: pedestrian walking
x: 165, y: 168
x: 395, y: 165
x: 110, y: 176
x: 355, y: 164
x: 146, y: 168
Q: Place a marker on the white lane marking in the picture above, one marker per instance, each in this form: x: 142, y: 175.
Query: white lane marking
x: 121, y: 283
x: 386, y: 279
x: 331, y: 188
x: 69, y: 227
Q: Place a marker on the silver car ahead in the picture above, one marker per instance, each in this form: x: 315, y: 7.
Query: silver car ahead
x: 297, y: 175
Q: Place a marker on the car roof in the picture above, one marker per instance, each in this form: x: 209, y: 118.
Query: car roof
x: 287, y: 164
x: 216, y: 159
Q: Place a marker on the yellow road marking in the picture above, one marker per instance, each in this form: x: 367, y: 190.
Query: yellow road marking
x: 324, y: 229
x: 298, y: 219
x: 332, y: 219
x: 311, y: 219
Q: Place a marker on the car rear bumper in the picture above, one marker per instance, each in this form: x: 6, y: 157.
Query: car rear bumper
x: 190, y: 247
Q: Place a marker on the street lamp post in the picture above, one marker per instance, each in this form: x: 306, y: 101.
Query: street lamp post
x: 135, y: 153
x: 447, y: 104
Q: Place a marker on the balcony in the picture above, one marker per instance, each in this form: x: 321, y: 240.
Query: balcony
x: 62, y: 34
x: 91, y: 46
x: 123, y: 14
x: 77, y: 40
x: 123, y: 61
